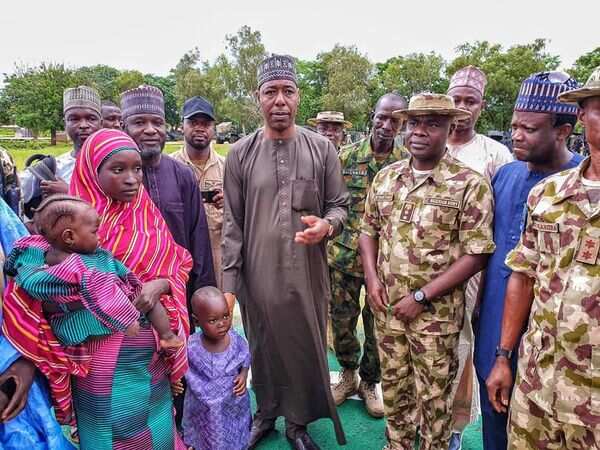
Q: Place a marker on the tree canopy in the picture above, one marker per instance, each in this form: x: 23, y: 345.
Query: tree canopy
x: 341, y: 79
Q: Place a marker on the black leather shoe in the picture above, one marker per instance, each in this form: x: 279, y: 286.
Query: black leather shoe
x: 260, y: 430
x: 302, y: 441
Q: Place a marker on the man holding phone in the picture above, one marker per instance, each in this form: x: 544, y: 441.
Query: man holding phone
x: 207, y: 164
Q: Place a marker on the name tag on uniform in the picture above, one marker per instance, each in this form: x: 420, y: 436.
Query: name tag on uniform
x: 355, y: 172
x: 407, y: 211
x: 545, y: 226
x: 587, y: 252
x: 440, y: 201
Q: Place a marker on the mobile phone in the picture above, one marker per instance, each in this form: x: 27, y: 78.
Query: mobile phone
x: 209, y: 196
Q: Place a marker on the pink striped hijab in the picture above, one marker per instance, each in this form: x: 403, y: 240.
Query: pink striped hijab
x: 135, y: 233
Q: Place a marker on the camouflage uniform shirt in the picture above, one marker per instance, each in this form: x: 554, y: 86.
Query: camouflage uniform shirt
x: 359, y: 167
x: 559, y: 359
x: 422, y: 229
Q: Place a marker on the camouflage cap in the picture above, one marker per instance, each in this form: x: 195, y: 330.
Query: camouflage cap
x: 329, y: 116
x: 427, y: 103
x: 590, y: 89
x: 81, y: 97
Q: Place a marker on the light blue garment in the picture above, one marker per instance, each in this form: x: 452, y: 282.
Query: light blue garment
x: 35, y: 428
x: 11, y: 228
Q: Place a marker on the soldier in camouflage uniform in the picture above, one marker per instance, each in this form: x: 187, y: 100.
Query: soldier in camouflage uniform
x: 360, y: 163
x: 555, y: 286
x: 427, y: 228
x: 332, y: 125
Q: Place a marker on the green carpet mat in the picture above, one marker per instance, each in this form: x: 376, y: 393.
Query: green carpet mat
x: 362, y: 431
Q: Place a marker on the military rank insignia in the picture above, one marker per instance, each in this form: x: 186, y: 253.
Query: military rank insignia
x: 407, y: 211
x: 588, y: 250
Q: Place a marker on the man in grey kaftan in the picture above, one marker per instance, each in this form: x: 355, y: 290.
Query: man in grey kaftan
x: 274, y: 178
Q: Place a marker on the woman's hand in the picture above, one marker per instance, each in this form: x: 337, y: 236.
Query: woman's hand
x: 150, y: 294
x: 21, y: 372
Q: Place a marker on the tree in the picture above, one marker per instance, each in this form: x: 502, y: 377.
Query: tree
x: 584, y: 65
x: 186, y: 74
x: 505, y: 70
x: 346, y: 79
x: 129, y: 79
x: 411, y: 74
x: 167, y: 86
x: 311, y: 78
x: 35, y: 96
x: 247, y: 52
x: 102, y: 78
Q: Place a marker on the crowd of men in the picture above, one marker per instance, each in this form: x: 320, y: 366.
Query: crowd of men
x: 467, y: 253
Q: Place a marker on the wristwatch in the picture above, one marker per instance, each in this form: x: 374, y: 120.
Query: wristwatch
x: 420, y: 297
x: 503, y: 352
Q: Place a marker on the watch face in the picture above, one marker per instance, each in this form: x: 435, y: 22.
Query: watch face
x: 419, y: 296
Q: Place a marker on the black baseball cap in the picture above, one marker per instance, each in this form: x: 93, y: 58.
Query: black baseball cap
x: 198, y: 105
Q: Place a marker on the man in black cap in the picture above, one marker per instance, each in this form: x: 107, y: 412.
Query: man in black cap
x: 207, y: 164
x: 285, y: 196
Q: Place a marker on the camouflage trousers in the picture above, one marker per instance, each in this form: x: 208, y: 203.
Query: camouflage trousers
x: 531, y: 428
x: 417, y: 374
x: 344, y: 311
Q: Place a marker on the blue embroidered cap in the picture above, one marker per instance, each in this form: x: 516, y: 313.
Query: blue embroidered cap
x: 540, y: 91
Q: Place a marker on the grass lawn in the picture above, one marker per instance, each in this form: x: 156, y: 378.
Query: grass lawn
x: 20, y: 155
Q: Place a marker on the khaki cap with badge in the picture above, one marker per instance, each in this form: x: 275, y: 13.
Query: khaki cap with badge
x: 329, y: 116
x: 427, y: 103
x: 590, y: 89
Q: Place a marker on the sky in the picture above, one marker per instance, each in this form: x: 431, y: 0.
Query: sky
x: 151, y: 35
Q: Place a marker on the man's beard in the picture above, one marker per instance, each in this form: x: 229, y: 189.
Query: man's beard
x: 198, y: 146
x: 150, y: 152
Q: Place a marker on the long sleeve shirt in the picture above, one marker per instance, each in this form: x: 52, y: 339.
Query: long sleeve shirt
x: 173, y: 188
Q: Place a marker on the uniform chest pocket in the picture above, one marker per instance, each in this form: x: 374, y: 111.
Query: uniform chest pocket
x: 439, y: 214
x: 305, y: 196
x: 548, y: 237
x: 385, y: 204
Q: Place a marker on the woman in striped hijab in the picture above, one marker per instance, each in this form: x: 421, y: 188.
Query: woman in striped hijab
x: 124, y: 402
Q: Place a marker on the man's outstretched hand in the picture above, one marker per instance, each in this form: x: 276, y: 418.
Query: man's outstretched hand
x: 316, y: 230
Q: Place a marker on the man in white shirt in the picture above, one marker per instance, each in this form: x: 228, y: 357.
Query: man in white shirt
x: 82, y: 115
x: 486, y: 156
